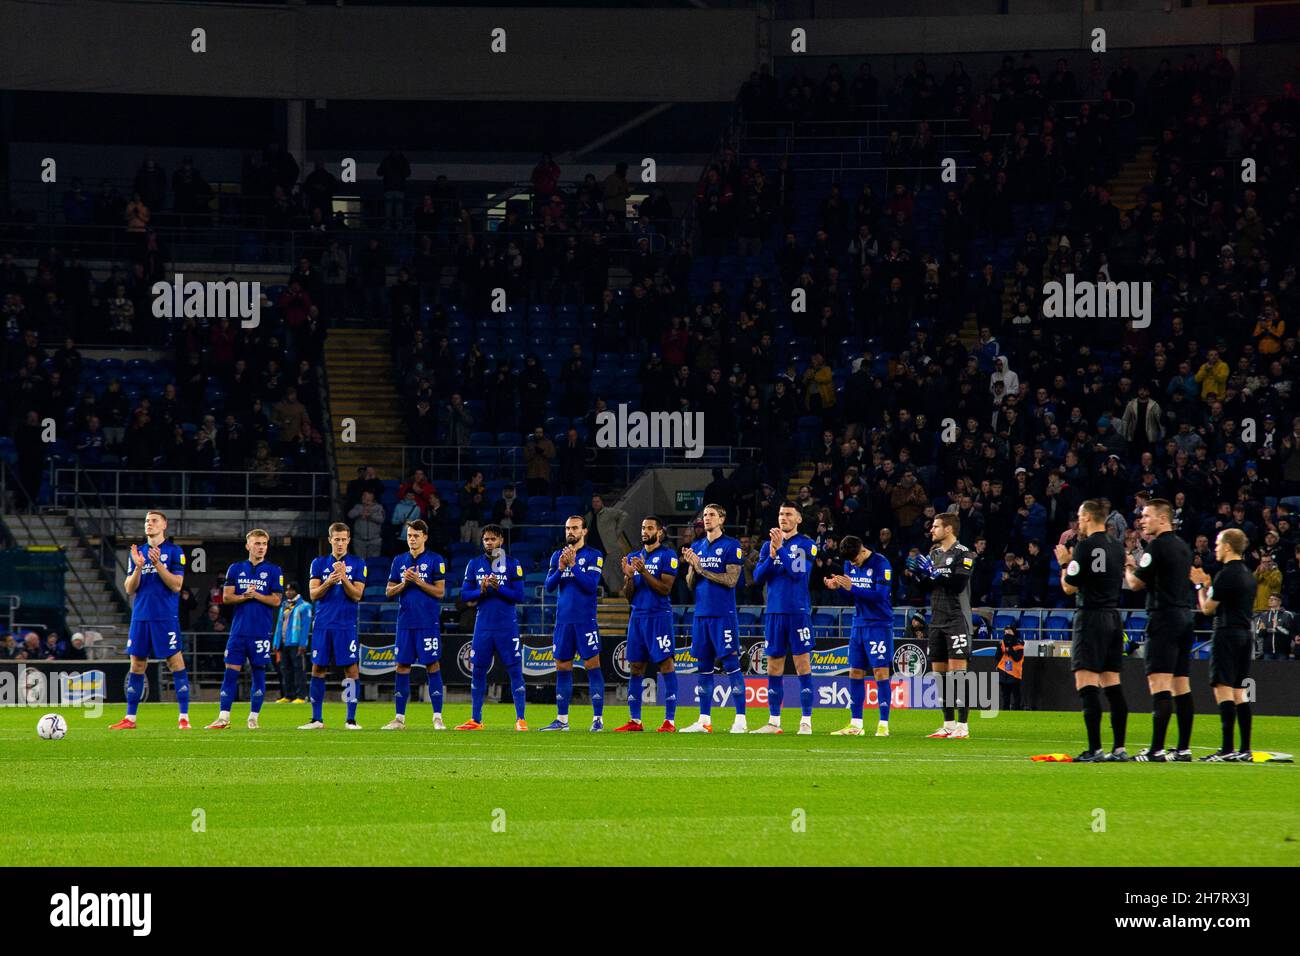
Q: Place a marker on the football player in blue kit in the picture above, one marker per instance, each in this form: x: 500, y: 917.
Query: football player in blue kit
x: 418, y: 579
x: 784, y: 565
x: 713, y: 568
x: 868, y: 576
x: 494, y: 582
x: 254, y: 588
x: 648, y: 577
x: 575, y: 572
x: 154, y: 577
x: 338, y: 580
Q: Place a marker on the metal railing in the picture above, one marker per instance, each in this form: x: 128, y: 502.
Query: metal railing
x: 460, y: 462
x: 248, y: 493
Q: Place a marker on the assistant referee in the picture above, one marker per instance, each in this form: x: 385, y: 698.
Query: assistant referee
x: 1164, y: 573
x: 1094, y: 573
x: 1231, y: 599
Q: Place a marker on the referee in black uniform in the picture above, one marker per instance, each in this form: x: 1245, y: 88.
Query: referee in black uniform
x: 1164, y: 572
x: 1231, y: 599
x: 1094, y: 573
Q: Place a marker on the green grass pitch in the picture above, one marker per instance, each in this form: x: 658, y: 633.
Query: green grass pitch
x: 279, y: 796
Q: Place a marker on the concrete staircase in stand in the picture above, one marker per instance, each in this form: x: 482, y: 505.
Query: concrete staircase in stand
x: 362, y: 386
x: 91, y: 602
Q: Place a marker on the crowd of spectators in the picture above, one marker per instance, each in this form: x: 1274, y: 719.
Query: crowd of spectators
x: 31, y: 646
x: 922, y: 379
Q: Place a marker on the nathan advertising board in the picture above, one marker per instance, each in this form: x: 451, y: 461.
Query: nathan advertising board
x: 376, y: 661
x: 825, y: 662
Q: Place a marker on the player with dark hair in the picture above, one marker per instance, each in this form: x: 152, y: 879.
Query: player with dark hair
x: 154, y: 576
x: 494, y: 582
x: 254, y: 588
x: 1094, y: 574
x: 1231, y: 599
x: 575, y: 571
x: 784, y: 565
x: 1164, y: 571
x: 338, y: 580
x: 714, y: 565
x: 945, y: 572
x: 868, y: 577
x: 418, y: 579
x: 648, y: 578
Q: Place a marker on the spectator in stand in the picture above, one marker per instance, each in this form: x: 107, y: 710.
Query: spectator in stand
x: 290, y: 641
x: 76, y: 649
x: 1268, y: 582
x: 289, y: 416
x: 572, y: 459
x: 31, y: 648
x: 509, y: 512
x: 8, y: 648
x: 367, y: 479
x: 1276, y: 631
x: 545, y: 180
x: 55, y: 646
x: 473, y: 508
x: 614, y: 194
x: 367, y: 517
x: 458, y: 421
x: 421, y: 487
x: 394, y: 170
x: 406, y: 509
x: 538, y: 455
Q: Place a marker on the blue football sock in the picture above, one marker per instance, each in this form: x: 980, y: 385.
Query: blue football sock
x: 563, y: 692
x: 317, y: 693
x: 181, y: 684
x: 596, y: 688
x: 517, y: 689
x: 857, y: 696
x: 351, y: 696
x: 401, y: 692
x: 634, y: 696
x: 775, y: 692
x: 884, y: 691
x: 731, y: 667
x: 670, y: 696
x: 478, y: 690
x: 806, y: 694
x: 229, y: 690
x: 258, y: 696
x: 134, y: 691
x: 705, y: 691
x: 435, y: 691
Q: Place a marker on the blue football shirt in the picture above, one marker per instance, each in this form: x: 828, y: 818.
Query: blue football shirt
x: 711, y: 599
x: 253, y: 618
x: 155, y: 601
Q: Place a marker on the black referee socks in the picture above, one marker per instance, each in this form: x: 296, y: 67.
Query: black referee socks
x: 1091, y: 697
x: 1183, y: 707
x: 1243, y: 723
x: 1118, y: 714
x: 1162, y: 708
x: 1227, y: 717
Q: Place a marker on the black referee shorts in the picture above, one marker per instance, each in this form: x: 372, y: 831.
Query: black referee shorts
x: 1169, y: 641
x: 1230, y: 654
x: 1097, y: 642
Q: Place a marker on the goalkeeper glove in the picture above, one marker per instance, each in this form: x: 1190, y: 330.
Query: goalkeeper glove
x: 921, y: 566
